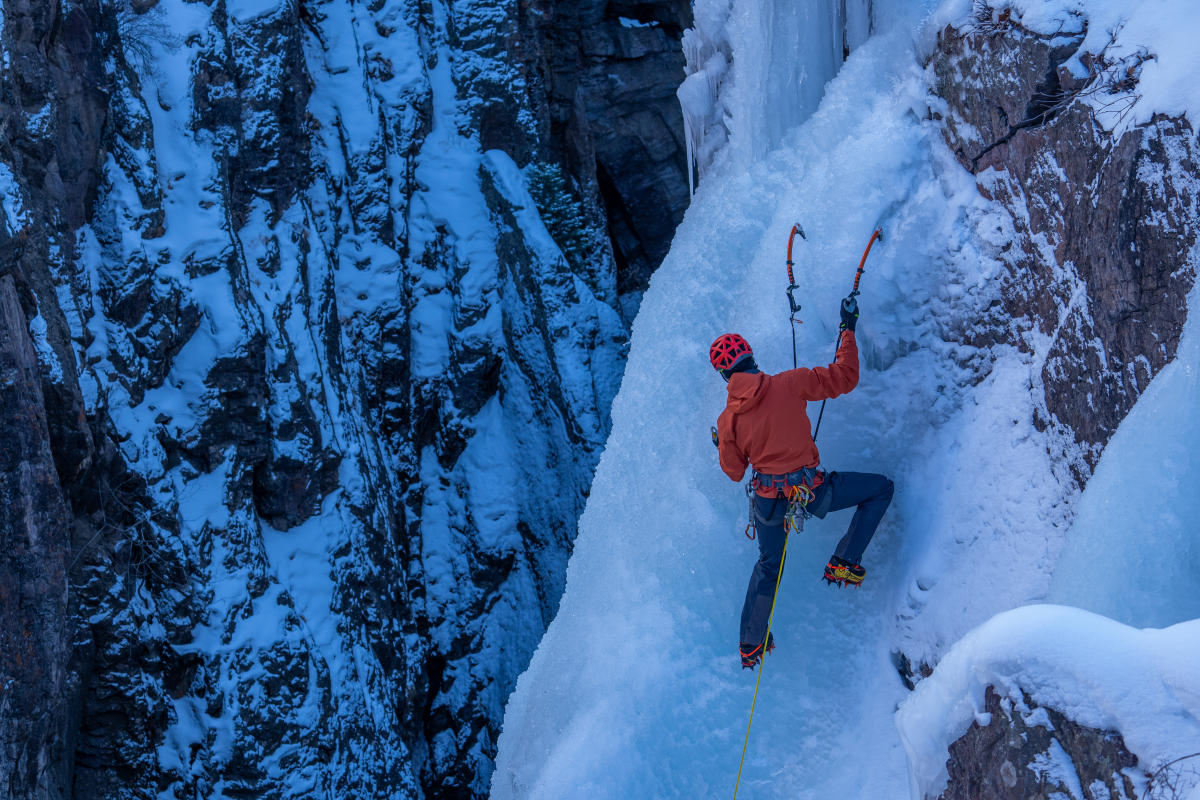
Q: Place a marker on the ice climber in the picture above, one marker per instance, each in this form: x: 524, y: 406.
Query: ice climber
x: 765, y: 425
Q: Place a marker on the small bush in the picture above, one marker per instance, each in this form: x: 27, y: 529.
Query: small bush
x: 562, y: 213
x: 1174, y: 780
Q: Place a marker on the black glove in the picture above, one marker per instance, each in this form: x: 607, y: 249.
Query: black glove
x: 849, y: 314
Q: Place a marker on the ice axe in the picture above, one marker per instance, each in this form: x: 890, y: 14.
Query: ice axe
x: 792, y: 287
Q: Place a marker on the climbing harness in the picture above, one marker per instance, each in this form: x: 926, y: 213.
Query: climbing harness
x: 798, y: 487
x: 798, y: 494
x: 806, y: 477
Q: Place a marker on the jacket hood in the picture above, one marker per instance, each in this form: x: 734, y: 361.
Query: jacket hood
x: 746, y: 390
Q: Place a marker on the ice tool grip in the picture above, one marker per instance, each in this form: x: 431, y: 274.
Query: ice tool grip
x: 792, y: 299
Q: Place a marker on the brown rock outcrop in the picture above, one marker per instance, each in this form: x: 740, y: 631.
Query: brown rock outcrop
x: 1104, y: 225
x: 1036, y: 753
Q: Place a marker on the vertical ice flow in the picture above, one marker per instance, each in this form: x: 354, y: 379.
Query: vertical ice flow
x: 756, y: 70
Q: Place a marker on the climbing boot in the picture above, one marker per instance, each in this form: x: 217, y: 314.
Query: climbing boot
x: 752, y: 653
x: 843, y: 573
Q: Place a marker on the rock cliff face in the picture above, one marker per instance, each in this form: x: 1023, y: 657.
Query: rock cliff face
x: 301, y: 396
x: 34, y: 633
x: 1104, y: 225
x: 607, y: 76
x: 48, y: 457
x: 1099, y: 259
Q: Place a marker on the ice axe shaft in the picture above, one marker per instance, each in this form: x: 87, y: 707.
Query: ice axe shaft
x: 862, y: 263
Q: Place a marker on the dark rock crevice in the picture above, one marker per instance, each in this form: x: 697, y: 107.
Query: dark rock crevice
x: 613, y: 121
x: 1047, y: 99
x: 53, y: 111
x: 35, y: 630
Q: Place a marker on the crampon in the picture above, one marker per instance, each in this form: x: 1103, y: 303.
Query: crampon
x: 751, y: 654
x: 843, y: 573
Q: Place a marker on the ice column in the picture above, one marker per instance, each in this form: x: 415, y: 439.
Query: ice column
x: 757, y: 69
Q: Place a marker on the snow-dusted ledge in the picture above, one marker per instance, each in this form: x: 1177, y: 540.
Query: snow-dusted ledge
x: 1096, y: 671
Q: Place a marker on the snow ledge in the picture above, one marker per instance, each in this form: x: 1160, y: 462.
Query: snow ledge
x: 1096, y: 671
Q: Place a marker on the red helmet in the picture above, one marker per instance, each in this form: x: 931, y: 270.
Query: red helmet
x: 728, y: 350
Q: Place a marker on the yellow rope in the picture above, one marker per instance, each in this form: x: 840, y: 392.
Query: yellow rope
x: 763, y: 659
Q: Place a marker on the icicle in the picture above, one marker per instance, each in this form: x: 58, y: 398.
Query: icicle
x: 707, y: 52
x: 691, y: 155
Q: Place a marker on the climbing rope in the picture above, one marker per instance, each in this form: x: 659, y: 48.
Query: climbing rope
x: 762, y: 662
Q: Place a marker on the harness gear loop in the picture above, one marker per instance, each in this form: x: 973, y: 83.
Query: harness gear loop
x: 801, y: 494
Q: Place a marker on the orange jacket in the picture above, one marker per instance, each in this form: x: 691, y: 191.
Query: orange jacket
x: 765, y: 421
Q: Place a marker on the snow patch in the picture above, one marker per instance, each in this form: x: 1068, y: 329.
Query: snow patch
x: 41, y: 344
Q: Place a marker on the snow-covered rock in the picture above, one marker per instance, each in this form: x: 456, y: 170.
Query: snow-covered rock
x: 305, y: 396
x: 1049, y: 670
x: 1104, y: 222
x: 1032, y: 286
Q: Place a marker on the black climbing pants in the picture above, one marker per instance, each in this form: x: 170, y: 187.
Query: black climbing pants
x: 869, y: 492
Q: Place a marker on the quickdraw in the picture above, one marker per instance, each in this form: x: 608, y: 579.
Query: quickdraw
x: 751, y: 530
x: 798, y: 499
